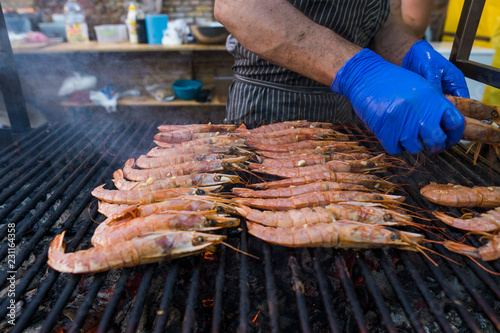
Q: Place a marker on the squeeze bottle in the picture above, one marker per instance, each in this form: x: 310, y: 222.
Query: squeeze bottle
x: 132, y: 23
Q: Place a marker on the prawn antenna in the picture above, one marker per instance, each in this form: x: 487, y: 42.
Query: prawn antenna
x: 237, y: 167
x: 90, y: 215
x: 480, y: 265
x: 422, y: 249
x: 104, y: 146
x: 240, y: 251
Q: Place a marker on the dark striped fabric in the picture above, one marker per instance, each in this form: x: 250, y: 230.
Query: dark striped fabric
x: 264, y: 93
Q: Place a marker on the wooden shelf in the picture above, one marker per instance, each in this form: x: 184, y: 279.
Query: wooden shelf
x: 46, y: 48
x: 146, y: 101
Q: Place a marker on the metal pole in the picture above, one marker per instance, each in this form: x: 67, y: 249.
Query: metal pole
x: 462, y: 46
x: 10, y: 85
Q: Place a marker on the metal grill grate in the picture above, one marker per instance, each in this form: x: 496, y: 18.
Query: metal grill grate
x: 46, y: 180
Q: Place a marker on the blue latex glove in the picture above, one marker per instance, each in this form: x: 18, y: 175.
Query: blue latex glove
x: 403, y: 109
x: 446, y: 77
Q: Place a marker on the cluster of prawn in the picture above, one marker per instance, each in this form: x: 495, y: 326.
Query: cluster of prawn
x: 486, y: 224
x: 482, y: 123
x: 162, y: 207
x: 328, y: 197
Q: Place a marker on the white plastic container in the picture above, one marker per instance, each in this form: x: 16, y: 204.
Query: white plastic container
x: 76, y: 26
x: 111, y: 33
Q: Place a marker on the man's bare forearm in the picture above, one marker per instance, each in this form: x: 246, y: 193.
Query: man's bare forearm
x: 394, y: 38
x: 279, y: 33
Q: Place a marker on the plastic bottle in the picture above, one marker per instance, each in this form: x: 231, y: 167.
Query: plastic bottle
x: 142, y: 35
x: 132, y: 23
x: 76, y: 27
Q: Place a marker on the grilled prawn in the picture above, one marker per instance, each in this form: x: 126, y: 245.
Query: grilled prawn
x: 489, y: 221
x: 462, y: 196
x: 194, y: 179
x: 200, y: 149
x: 317, y: 199
x: 146, y: 197
x: 197, y: 128
x: 137, y: 251
x: 368, y: 181
x: 488, y: 252
x: 304, y: 160
x: 354, y: 166
x: 120, y: 231
x: 115, y: 211
x: 291, y: 191
x: 341, y: 234
x: 145, y: 162
x: 366, y: 213
x: 180, y: 169
x: 475, y: 109
x: 284, y: 125
x: 327, y: 150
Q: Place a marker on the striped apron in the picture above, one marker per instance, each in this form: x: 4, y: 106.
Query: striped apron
x: 265, y: 93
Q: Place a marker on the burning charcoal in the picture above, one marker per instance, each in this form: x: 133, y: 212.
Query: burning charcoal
x: 34, y: 328
x: 174, y: 319
x: 71, y: 309
x: 306, y: 261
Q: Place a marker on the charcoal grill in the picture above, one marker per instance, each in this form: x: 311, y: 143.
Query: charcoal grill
x: 45, y: 181
x: 47, y: 178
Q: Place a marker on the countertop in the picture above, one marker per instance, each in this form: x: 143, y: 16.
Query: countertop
x: 39, y: 48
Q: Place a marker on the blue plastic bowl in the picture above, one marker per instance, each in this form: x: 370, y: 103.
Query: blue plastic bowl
x: 187, y: 89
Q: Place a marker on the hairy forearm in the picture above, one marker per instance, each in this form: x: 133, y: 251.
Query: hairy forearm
x: 394, y: 38
x: 279, y: 33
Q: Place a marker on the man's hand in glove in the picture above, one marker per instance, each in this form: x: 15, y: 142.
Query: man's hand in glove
x: 404, y: 110
x: 446, y: 77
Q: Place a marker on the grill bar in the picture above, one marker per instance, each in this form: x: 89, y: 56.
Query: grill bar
x: 386, y: 317
x: 298, y: 287
x: 439, y: 315
x: 16, y: 148
x: 57, y: 310
x: 325, y: 294
x: 41, y: 231
x: 351, y: 296
x: 219, y: 286
x: 59, y: 139
x: 272, y: 301
x: 412, y: 316
x: 243, y: 283
x: 37, y: 180
x: 140, y: 299
x: 115, y: 300
x: 165, y: 300
x: 458, y: 305
x: 47, y: 285
x: 84, y: 310
x: 189, y: 315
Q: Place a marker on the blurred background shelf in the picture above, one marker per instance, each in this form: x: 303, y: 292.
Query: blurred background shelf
x: 44, y: 67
